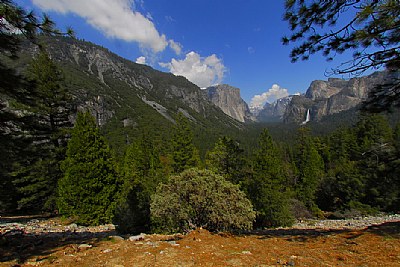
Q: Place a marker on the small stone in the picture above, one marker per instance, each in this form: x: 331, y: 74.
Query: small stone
x: 84, y: 247
x: 246, y: 252
x: 153, y: 244
x: 173, y: 243
x: 137, y: 237
x: 72, y: 226
x: 107, y: 250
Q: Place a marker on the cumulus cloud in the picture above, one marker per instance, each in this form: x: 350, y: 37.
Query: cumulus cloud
x: 274, y: 93
x: 141, y: 60
x: 202, y: 71
x: 177, y: 47
x: 115, y: 19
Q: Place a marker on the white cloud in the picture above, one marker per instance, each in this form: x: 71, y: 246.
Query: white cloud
x: 274, y: 93
x: 177, y: 47
x: 115, y: 19
x: 141, y: 60
x: 202, y: 71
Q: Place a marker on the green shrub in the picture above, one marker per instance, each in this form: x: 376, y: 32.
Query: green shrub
x: 200, y: 198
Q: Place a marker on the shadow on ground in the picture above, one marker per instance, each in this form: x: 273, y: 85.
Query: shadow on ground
x: 388, y: 229
x: 17, y: 245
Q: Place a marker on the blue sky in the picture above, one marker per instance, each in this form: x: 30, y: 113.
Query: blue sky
x: 237, y: 42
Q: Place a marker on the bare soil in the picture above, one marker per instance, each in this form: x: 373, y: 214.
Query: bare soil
x: 373, y: 245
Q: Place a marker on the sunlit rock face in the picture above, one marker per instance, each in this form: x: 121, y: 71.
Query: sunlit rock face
x: 228, y: 99
x: 330, y: 97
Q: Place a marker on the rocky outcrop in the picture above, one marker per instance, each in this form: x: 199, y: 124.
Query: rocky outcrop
x: 274, y: 112
x: 330, y: 97
x: 228, y: 99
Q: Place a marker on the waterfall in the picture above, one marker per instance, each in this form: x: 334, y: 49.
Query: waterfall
x: 307, y: 117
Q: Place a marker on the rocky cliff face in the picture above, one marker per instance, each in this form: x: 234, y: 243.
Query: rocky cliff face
x: 330, y: 97
x: 228, y: 99
x: 110, y: 86
x: 274, y: 112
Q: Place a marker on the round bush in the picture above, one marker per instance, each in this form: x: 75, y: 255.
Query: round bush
x: 200, y: 198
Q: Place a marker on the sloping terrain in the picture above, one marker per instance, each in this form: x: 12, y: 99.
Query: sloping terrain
x: 128, y: 98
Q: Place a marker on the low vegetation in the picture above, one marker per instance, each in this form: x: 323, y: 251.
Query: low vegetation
x: 200, y: 199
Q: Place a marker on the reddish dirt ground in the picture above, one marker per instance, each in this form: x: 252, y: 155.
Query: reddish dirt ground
x: 376, y: 245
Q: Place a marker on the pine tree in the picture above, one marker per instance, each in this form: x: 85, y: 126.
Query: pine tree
x: 376, y: 152
x: 267, y: 188
x: 14, y: 87
x: 310, y: 168
x: 90, y: 186
x: 227, y: 159
x: 184, y: 153
x: 344, y: 184
x: 142, y: 172
x: 38, y: 171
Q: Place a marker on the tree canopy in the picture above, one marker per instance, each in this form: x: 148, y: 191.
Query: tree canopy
x: 352, y: 24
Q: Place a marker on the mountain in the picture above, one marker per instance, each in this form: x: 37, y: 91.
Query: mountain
x: 228, y: 99
x: 128, y: 99
x: 274, y: 112
x: 330, y: 97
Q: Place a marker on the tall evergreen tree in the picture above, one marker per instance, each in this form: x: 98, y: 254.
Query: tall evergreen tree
x: 267, y: 188
x: 227, y: 159
x: 142, y: 172
x: 184, y: 153
x: 376, y: 152
x: 15, y: 88
x: 344, y: 184
x: 39, y: 170
x: 89, y: 189
x: 310, y: 168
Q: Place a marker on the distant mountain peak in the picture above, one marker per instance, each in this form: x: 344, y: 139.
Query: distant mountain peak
x: 228, y: 99
x: 272, y: 112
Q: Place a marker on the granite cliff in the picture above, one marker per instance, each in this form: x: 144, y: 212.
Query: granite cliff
x: 228, y: 99
x: 330, y: 97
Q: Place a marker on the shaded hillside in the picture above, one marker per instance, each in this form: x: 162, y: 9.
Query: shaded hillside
x: 127, y: 98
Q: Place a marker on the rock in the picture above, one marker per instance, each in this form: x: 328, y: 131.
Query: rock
x: 83, y: 247
x: 273, y: 112
x: 333, y: 96
x: 137, y: 237
x: 72, y: 226
x: 246, y: 252
x: 172, y: 243
x: 107, y: 250
x: 228, y: 99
